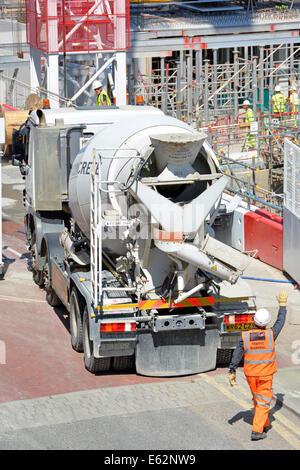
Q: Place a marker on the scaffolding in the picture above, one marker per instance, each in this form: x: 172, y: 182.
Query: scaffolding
x: 14, y: 10
x: 207, y: 88
x: 209, y: 96
x: 201, y: 91
x: 257, y: 174
x: 195, y: 66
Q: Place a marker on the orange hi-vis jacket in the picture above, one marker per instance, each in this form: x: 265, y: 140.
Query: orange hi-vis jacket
x: 259, y: 352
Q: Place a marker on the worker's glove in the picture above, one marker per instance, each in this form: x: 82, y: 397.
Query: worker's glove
x: 282, y: 298
x: 232, y: 379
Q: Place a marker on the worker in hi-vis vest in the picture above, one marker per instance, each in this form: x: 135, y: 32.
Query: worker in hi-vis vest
x: 257, y: 347
x: 293, y: 100
x: 249, y: 141
x: 278, y: 102
x: 102, y: 98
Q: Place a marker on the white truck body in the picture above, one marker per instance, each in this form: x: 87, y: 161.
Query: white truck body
x: 120, y: 207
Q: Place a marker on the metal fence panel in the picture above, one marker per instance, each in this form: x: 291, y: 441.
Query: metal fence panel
x: 291, y: 212
x: 292, y: 177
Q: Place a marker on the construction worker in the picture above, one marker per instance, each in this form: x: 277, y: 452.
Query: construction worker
x: 293, y: 100
x: 278, y: 103
x: 257, y: 347
x: 102, y: 98
x: 249, y: 141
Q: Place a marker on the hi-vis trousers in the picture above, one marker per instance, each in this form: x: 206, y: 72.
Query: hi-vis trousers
x: 249, y: 142
x: 262, y: 392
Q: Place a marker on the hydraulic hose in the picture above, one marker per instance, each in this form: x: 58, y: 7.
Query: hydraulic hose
x: 268, y: 280
x: 134, y: 176
x: 262, y: 201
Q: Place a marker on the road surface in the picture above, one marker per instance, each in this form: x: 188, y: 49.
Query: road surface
x: 49, y: 401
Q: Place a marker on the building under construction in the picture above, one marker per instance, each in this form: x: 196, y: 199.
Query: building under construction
x: 197, y: 61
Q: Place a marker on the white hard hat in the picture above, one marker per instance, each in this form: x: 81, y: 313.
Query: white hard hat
x: 277, y: 88
x: 262, y: 317
x: 246, y: 103
x: 97, y: 84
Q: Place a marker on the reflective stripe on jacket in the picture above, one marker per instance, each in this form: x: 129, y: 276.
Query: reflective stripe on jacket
x: 100, y: 98
x: 249, y: 115
x: 259, y: 352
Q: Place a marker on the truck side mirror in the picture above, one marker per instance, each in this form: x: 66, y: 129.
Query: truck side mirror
x: 18, y: 147
x: 16, y: 159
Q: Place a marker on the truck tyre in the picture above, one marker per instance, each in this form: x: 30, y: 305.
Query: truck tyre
x: 224, y: 356
x: 38, y: 276
x: 123, y: 363
x: 92, y: 364
x: 51, y: 296
x: 76, y: 313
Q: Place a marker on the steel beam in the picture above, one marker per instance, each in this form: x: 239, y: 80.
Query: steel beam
x: 35, y: 67
x: 190, y: 42
x: 53, y: 79
x: 291, y: 29
x: 120, y: 78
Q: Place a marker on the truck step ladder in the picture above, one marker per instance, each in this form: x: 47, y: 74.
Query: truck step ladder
x: 96, y: 223
x: 95, y: 235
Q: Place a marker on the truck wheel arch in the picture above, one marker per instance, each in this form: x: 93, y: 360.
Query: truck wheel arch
x: 84, y: 292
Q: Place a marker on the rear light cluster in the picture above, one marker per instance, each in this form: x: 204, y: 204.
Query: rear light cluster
x: 233, y: 319
x: 117, y: 327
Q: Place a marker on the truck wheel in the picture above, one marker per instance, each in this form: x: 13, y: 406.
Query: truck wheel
x: 224, y: 356
x: 76, y: 312
x: 51, y: 296
x: 123, y: 363
x: 38, y: 276
x: 92, y: 364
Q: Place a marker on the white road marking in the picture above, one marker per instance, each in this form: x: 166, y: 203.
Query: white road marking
x: 13, y: 251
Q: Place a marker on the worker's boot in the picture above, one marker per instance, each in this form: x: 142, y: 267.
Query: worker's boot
x: 256, y: 436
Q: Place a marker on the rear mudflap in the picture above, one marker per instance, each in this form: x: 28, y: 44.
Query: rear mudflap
x: 175, y: 353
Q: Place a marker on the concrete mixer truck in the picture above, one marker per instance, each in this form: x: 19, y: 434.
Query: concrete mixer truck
x: 120, y: 210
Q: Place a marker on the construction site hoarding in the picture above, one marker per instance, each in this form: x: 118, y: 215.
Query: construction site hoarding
x: 78, y: 25
x: 291, y: 212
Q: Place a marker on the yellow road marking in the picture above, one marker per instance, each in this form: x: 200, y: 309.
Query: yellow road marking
x: 244, y: 404
x: 287, y: 436
x: 279, y: 416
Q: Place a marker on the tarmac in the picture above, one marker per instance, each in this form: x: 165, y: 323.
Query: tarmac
x: 21, y: 298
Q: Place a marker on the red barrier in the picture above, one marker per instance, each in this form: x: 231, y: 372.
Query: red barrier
x: 263, y: 231
x: 7, y: 107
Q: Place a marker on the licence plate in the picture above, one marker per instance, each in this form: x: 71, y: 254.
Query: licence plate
x: 239, y: 327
